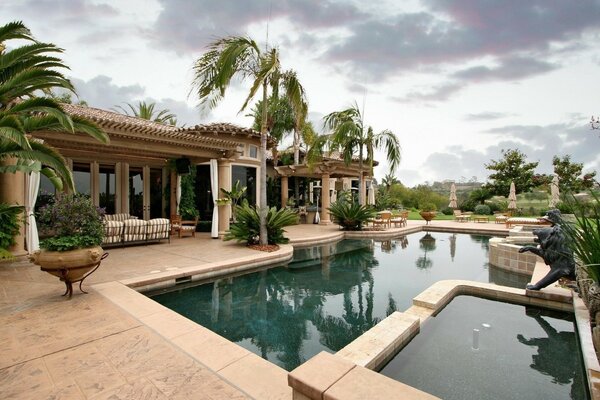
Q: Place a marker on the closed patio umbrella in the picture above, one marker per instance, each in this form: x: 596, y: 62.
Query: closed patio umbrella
x: 452, y: 203
x: 554, y: 192
x: 512, y: 197
x: 371, y: 195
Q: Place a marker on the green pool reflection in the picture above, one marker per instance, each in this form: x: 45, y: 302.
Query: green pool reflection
x: 331, y: 294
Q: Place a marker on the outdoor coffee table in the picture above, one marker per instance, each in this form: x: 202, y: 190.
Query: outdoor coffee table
x: 481, y: 219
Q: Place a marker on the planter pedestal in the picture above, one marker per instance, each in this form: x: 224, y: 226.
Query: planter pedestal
x: 70, y: 266
x: 428, y: 216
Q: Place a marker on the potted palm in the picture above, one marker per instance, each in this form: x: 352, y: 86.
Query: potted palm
x: 428, y: 211
x: 74, y: 232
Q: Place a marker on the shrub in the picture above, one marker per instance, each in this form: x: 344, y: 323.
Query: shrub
x: 10, y: 222
x: 73, y: 221
x: 494, y: 206
x: 447, y: 211
x: 350, y: 216
x: 482, y: 209
x: 247, y: 225
x: 564, y: 207
x: 428, y: 207
x: 468, y: 205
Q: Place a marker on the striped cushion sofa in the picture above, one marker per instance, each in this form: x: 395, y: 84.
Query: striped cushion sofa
x: 120, y: 232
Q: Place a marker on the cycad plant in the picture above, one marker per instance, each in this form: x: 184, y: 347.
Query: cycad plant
x: 247, y: 226
x: 349, y: 215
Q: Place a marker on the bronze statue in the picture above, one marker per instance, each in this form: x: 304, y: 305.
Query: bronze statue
x: 554, y: 250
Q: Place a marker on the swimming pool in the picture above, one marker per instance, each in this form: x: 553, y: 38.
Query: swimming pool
x: 488, y: 350
x: 331, y: 294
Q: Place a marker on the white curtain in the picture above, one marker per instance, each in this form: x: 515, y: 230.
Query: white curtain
x: 33, y: 240
x: 214, y: 188
x: 178, y: 192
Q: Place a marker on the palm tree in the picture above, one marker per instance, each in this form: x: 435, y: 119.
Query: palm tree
x: 389, y: 180
x: 241, y: 56
x: 146, y: 111
x: 25, y: 71
x: 349, y: 135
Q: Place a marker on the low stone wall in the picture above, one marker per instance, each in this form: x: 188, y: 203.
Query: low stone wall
x: 505, y: 255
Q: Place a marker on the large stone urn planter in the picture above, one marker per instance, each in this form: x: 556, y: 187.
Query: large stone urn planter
x: 70, y: 266
x: 428, y: 215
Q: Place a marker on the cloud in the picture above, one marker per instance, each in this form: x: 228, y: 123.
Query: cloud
x: 487, y: 116
x: 101, y: 92
x: 188, y: 26
x: 538, y: 142
x: 459, y: 31
x: 510, y: 68
x: 438, y: 93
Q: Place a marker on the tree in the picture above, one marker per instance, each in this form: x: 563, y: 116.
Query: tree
x: 241, y: 56
x: 480, y: 195
x: 511, y: 168
x: 350, y: 135
x: 389, y: 180
x: 146, y: 111
x: 570, y: 175
x: 26, y: 71
x: 280, y: 120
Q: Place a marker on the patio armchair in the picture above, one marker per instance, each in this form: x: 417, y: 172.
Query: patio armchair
x: 175, y: 223
x: 384, y: 218
x: 188, y: 227
x: 400, y: 219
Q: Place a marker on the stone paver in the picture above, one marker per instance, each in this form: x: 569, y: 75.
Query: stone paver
x: 92, y: 348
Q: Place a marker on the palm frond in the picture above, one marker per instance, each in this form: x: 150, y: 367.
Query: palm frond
x: 15, y: 30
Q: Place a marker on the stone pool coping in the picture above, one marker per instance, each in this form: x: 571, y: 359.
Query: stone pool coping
x: 376, y: 347
x: 252, y: 374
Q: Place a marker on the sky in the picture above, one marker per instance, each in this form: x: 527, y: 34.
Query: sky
x: 456, y: 80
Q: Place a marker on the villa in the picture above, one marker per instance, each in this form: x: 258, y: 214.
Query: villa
x: 332, y: 315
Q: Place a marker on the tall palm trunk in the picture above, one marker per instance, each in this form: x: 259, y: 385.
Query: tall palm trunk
x: 360, y: 178
x: 262, y: 212
x: 296, y: 147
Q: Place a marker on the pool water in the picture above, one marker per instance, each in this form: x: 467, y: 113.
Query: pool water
x: 521, y: 353
x: 331, y: 294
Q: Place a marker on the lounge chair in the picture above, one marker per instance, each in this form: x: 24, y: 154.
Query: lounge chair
x: 459, y: 216
x: 525, y: 221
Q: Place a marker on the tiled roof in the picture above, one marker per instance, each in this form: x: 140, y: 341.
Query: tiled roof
x: 113, y: 120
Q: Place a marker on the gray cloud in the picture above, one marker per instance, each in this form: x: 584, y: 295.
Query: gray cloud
x: 101, y: 92
x: 510, y: 68
x: 438, y: 93
x: 185, y: 26
x: 458, y: 31
x: 487, y: 116
x: 538, y: 143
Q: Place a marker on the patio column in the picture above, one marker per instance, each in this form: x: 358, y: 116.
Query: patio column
x: 12, y: 191
x: 363, y: 191
x: 173, y: 193
x: 224, y: 183
x: 284, y: 190
x: 325, y: 203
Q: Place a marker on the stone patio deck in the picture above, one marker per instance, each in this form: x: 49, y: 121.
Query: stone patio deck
x: 117, y: 344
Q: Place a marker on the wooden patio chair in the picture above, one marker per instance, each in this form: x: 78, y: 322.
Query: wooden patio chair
x: 384, y: 219
x: 175, y: 223
x: 188, y: 227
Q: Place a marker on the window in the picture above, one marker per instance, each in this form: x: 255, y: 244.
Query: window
x: 247, y: 178
x: 107, y: 188
x: 253, y: 152
x: 82, y: 177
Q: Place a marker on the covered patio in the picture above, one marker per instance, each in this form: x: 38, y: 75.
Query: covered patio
x: 334, y: 176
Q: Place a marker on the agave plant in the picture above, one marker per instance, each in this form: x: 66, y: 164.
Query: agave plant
x: 349, y: 215
x: 247, y: 226
x: 584, y: 235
